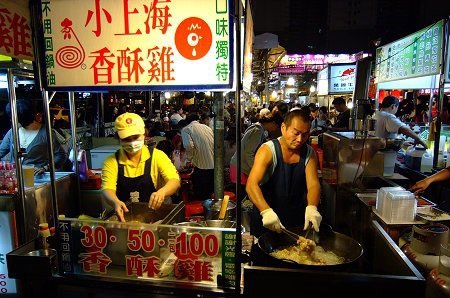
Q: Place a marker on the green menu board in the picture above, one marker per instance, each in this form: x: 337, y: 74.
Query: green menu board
x: 416, y: 55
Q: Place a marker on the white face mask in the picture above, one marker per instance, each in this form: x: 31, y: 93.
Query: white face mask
x: 132, y: 147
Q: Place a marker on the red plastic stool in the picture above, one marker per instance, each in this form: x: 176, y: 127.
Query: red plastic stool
x: 193, y: 208
x: 229, y: 193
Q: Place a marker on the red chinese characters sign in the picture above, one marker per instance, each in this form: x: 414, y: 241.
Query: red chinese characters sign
x: 15, y: 29
x: 131, y: 251
x: 104, y: 44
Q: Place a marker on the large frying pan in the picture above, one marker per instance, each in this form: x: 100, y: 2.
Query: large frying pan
x: 342, y: 245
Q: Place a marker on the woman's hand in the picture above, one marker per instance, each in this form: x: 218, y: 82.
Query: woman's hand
x: 120, y: 209
x: 156, y: 199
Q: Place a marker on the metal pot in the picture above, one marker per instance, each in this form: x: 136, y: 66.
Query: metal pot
x: 338, y: 243
x: 212, y: 209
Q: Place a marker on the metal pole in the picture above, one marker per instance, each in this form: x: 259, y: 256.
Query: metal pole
x: 150, y: 105
x: 73, y: 126
x: 218, y: 146
x: 101, y: 117
x: 266, y: 76
x: 51, y: 160
x: 440, y: 99
x: 238, y: 245
x: 21, y: 208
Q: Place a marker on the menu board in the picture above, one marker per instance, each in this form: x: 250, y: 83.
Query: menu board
x: 163, y: 253
x: 418, y: 54
x: 150, y: 45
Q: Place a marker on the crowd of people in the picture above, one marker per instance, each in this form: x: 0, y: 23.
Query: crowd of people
x: 275, y: 151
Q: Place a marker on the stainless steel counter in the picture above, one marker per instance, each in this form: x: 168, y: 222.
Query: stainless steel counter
x: 38, y: 200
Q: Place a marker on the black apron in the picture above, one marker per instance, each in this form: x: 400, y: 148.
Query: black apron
x: 141, y: 186
x: 285, y: 192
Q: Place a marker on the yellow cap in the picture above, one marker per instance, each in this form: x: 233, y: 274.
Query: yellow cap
x: 129, y: 124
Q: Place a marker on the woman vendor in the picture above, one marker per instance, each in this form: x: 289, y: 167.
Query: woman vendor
x: 136, y: 173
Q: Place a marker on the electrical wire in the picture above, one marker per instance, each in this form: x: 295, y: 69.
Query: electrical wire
x: 360, y: 160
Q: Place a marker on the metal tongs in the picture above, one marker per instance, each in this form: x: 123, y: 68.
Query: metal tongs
x: 311, y: 233
x: 290, y: 234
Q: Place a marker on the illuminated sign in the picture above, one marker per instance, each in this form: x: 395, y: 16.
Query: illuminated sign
x: 416, y: 55
x: 140, y: 44
x: 314, y: 62
x: 342, y: 78
x: 322, y: 82
x: 15, y: 29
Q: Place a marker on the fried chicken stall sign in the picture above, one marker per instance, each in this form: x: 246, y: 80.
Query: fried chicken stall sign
x: 107, y: 44
x: 342, y: 78
x: 15, y: 30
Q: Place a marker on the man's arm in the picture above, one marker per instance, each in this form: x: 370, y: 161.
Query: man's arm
x: 312, y: 181
x: 408, y: 132
x: 5, y: 145
x: 263, y: 160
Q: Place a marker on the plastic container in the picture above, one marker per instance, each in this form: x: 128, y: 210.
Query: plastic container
x: 413, y: 157
x: 381, y: 196
x: 399, y: 207
x: 427, y: 162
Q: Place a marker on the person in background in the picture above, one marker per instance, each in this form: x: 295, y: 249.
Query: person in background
x: 198, y: 141
x: 136, y: 173
x: 281, y: 108
x: 321, y: 122
x: 254, y: 137
x: 5, y: 123
x: 167, y: 147
x: 343, y: 119
x: 283, y: 183
x: 177, y: 116
x: 423, y: 184
x: 388, y: 125
x: 33, y: 138
x: 264, y: 112
x: 205, y: 119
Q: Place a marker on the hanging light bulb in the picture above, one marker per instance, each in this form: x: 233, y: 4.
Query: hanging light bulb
x: 290, y: 81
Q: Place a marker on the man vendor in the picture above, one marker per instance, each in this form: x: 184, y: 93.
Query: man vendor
x: 283, y: 183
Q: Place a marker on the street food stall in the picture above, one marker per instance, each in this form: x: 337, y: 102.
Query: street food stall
x: 165, y: 43
x: 420, y: 61
x: 157, y: 252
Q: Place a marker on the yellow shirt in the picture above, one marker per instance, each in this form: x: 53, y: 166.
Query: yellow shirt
x: 161, y: 170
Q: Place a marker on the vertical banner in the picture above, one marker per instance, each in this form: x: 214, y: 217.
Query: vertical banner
x: 15, y: 29
x: 168, y: 44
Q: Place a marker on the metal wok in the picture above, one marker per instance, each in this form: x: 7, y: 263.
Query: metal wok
x: 338, y: 243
